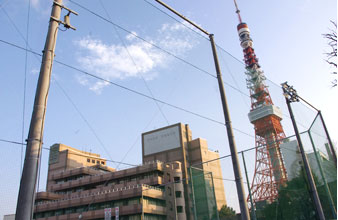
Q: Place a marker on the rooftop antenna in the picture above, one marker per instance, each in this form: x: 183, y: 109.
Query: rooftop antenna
x: 238, y: 12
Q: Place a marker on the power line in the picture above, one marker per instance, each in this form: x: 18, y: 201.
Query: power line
x: 24, y: 85
x: 133, y: 61
x: 187, y: 26
x: 63, y: 91
x: 46, y: 148
x: 129, y: 89
x: 141, y: 38
x: 12, y: 142
x: 83, y: 118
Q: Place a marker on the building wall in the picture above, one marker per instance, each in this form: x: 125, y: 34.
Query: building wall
x: 9, y: 217
x: 293, y: 162
x: 199, y: 153
x: 80, y: 187
x: 189, y: 153
x: 63, y: 157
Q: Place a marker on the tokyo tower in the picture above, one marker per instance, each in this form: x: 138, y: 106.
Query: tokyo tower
x: 270, y: 171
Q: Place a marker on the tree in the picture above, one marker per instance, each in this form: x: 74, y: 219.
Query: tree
x: 227, y: 213
x: 295, y: 202
x: 331, y: 56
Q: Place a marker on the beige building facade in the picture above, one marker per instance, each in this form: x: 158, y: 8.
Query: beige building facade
x: 174, y: 143
x: 80, y: 185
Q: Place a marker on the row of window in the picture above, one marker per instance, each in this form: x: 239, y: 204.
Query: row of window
x: 138, y: 217
x: 102, y: 205
x: 113, y: 182
x: 95, y: 161
x: 71, y: 178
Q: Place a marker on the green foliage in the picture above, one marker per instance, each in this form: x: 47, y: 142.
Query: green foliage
x: 294, y: 202
x: 227, y: 213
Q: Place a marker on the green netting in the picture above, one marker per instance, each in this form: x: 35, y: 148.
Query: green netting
x: 323, y: 167
x: 204, y: 200
x: 294, y: 199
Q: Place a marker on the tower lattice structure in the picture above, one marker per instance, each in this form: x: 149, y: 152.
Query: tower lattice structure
x: 270, y: 172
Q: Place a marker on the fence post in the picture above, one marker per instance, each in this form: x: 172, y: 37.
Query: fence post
x: 253, y: 211
x: 334, y: 212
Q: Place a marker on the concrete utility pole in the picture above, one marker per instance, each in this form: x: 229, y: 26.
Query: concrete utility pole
x: 25, y: 205
x: 234, y: 155
x: 291, y: 96
x: 233, y: 149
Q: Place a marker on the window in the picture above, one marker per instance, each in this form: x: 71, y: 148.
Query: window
x: 169, y: 191
x: 93, y: 161
x: 176, y: 179
x: 59, y: 212
x: 88, y: 160
x: 179, y: 209
x: 170, y: 206
x: 102, y: 162
x: 98, y: 162
x: 178, y: 194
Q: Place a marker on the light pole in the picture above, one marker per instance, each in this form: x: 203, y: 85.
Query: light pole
x: 232, y: 145
x: 291, y: 96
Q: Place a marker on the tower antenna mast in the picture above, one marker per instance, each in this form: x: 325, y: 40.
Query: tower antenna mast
x: 270, y: 172
x: 238, y: 12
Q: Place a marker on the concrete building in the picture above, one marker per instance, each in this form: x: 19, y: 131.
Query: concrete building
x: 9, y: 217
x: 174, y: 143
x: 293, y: 162
x: 80, y: 185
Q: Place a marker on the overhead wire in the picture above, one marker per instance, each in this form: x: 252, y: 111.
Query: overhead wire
x: 130, y: 90
x: 83, y: 118
x: 125, y: 88
x: 63, y: 91
x: 218, y: 46
x: 4, y: 3
x: 143, y: 39
x: 130, y: 32
x: 184, y: 24
x: 133, y: 61
x: 46, y: 148
x: 24, y: 85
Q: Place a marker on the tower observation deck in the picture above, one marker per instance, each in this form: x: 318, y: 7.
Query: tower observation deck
x: 270, y: 172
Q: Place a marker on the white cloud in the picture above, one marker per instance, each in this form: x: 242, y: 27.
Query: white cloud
x: 34, y: 71
x: 35, y: 3
x: 136, y: 59
x: 131, y: 36
x: 82, y: 80
x: 97, y: 87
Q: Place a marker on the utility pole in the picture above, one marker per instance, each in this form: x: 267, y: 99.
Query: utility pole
x: 25, y: 205
x: 291, y: 96
x: 233, y: 149
x: 234, y: 155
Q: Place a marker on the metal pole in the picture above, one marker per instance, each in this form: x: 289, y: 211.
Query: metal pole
x: 25, y: 205
x: 333, y: 209
x: 238, y: 178
x: 234, y: 156
x: 309, y: 176
x: 253, y: 211
x: 333, y: 151
x: 181, y: 16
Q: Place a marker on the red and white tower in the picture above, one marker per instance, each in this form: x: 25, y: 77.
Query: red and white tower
x: 270, y: 171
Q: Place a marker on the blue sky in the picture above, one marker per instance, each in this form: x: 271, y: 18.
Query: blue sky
x: 287, y: 39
